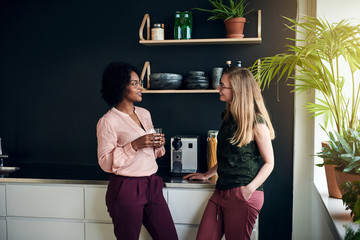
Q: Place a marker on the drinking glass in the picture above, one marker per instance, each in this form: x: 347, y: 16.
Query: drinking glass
x: 158, y: 130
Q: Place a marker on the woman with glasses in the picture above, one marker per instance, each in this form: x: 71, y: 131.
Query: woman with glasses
x: 127, y: 148
x: 245, y: 160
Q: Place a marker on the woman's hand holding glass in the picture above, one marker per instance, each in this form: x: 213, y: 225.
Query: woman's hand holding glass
x: 155, y: 140
x: 161, y: 137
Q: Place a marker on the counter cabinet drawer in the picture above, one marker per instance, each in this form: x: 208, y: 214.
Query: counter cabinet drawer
x: 2, y: 201
x: 105, y: 231
x: 49, y: 201
x: 43, y: 229
x: 95, y: 206
x: 3, y: 229
x: 193, y: 200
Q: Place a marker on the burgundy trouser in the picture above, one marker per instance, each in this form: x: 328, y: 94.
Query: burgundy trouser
x: 228, y: 212
x: 133, y: 201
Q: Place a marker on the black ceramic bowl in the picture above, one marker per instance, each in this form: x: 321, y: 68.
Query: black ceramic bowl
x: 196, y: 74
x: 195, y: 80
x: 199, y: 84
x: 163, y: 81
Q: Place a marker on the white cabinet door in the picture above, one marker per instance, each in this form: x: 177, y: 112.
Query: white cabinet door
x: 36, y: 229
x: 95, y: 210
x: 255, y: 232
x: 3, y: 229
x: 186, y: 232
x: 95, y: 207
x: 144, y: 235
x: 165, y: 194
x: 187, y: 205
x: 96, y: 231
x: 45, y: 201
x: 2, y: 200
x: 105, y: 231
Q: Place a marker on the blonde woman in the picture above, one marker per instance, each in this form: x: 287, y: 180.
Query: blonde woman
x: 244, y: 141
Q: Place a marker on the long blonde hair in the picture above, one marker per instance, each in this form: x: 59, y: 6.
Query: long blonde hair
x: 247, y: 103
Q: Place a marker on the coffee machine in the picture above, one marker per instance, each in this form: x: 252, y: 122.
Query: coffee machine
x: 184, y: 154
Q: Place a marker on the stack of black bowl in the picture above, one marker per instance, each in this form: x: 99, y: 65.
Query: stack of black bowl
x: 196, y: 80
x: 164, y: 81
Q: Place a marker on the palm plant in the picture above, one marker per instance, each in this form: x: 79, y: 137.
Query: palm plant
x: 224, y: 12
x: 317, y: 62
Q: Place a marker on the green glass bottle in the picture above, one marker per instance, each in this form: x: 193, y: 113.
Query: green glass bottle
x: 186, y: 26
x: 177, y: 26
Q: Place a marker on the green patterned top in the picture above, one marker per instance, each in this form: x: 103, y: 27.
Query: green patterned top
x: 237, y: 166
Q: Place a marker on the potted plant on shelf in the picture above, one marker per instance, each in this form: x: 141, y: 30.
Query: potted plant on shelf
x: 233, y: 15
x: 317, y: 62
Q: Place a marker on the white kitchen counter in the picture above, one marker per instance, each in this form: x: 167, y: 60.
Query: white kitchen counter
x: 46, y: 208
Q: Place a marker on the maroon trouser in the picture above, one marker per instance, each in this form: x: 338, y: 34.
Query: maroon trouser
x: 133, y: 201
x: 229, y: 213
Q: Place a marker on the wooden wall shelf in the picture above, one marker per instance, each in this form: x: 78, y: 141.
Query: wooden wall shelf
x: 169, y: 42
x: 147, y: 70
x: 182, y: 91
x: 210, y: 41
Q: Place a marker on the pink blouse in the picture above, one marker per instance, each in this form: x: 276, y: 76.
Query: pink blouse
x: 115, y: 132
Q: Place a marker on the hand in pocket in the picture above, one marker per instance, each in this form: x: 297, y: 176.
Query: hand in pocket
x: 246, y: 192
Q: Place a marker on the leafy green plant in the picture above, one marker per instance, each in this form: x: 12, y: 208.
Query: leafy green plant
x: 317, y: 60
x: 351, y: 199
x: 342, y: 151
x: 223, y: 11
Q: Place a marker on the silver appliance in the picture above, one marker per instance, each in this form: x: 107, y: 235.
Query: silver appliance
x: 184, y: 154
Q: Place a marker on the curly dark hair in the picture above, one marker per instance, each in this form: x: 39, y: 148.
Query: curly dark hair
x: 116, y: 77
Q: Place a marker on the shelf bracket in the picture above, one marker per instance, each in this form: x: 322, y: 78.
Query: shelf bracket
x: 259, y: 24
x: 146, y: 69
x: 141, y: 30
x: 258, y: 70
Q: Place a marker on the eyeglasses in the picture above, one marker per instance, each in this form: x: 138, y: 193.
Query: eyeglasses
x: 222, y: 86
x: 136, y: 83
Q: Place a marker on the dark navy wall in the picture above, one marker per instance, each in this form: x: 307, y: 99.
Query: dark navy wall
x: 52, y: 57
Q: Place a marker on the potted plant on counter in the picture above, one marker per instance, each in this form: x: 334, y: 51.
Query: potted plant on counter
x: 233, y: 15
x: 318, y: 61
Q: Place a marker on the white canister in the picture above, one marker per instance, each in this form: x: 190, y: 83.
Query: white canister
x: 157, y: 31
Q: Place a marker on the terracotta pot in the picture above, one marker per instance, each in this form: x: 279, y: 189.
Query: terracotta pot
x: 332, y: 185
x: 333, y: 188
x: 342, y: 177
x: 235, y: 27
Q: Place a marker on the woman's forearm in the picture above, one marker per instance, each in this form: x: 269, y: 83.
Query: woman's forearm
x: 211, y: 172
x: 262, y: 175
